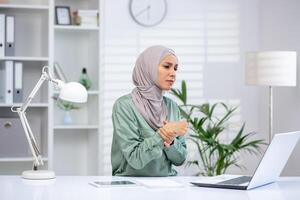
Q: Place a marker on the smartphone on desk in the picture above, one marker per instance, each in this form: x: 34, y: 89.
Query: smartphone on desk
x: 112, y: 183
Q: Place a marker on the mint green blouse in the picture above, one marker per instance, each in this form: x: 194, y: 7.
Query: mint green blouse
x: 137, y: 150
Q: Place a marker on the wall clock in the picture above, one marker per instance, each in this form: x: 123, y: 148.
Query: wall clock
x: 148, y: 12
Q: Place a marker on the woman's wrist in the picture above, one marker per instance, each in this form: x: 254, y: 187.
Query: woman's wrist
x: 172, y: 143
x: 168, y: 145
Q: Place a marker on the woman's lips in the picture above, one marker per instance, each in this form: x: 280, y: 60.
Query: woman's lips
x: 170, y: 81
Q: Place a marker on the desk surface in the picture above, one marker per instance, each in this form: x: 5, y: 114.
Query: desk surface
x: 77, y: 188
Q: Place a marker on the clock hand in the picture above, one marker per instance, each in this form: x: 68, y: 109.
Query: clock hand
x: 148, y: 12
x: 142, y: 11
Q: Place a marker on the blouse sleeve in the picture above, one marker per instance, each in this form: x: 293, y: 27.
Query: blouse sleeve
x: 177, y: 152
x: 137, y: 151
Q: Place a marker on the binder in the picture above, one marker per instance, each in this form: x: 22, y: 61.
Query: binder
x: 10, y: 36
x: 2, y: 82
x: 2, y: 35
x: 9, y: 67
x: 18, y: 83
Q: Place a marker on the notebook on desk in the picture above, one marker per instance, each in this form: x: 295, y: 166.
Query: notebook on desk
x: 267, y: 171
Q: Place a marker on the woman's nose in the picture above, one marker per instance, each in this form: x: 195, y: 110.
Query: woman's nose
x: 173, y: 72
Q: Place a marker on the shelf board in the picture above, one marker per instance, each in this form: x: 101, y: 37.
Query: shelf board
x: 93, y: 92
x: 73, y: 27
x: 32, y: 105
x: 90, y: 92
x: 23, y: 6
x: 24, y: 58
x: 71, y: 127
x: 20, y: 159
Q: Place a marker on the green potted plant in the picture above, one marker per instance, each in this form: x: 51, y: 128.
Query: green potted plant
x: 66, y: 107
x: 215, y: 155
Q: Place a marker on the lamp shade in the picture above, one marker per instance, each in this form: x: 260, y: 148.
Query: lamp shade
x: 271, y: 68
x: 73, y: 92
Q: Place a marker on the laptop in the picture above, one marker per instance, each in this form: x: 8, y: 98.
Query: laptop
x: 268, y: 170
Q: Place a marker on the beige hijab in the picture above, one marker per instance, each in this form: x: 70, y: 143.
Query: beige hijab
x: 147, y: 96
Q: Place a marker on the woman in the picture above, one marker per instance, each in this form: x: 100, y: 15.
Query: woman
x: 148, y: 134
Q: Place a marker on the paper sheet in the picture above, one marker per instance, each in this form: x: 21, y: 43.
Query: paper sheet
x: 159, y: 183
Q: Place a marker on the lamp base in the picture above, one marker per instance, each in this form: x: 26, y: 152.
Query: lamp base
x: 38, y: 174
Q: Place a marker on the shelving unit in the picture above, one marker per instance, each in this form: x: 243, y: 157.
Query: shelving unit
x: 74, y: 48
x: 68, y: 149
x: 31, y: 48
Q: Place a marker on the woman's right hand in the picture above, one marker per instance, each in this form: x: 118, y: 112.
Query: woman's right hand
x: 180, y: 127
x: 172, y: 129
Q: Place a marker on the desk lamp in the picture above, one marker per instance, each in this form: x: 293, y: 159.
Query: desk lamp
x: 271, y: 68
x: 72, y: 92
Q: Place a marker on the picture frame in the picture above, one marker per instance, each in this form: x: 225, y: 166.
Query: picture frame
x: 63, y: 15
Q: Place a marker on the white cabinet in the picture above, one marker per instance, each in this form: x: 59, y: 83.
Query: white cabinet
x: 68, y: 149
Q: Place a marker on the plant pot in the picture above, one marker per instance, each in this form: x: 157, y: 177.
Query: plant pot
x: 67, y: 118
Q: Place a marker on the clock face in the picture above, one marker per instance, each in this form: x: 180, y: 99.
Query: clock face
x: 148, y: 12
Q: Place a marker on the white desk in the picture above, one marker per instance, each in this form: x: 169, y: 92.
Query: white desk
x: 77, y: 188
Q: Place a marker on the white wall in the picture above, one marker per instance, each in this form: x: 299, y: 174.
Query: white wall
x: 227, y: 28
x: 280, y: 30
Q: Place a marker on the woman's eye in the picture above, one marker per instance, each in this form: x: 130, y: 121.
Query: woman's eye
x: 166, y: 66
x: 175, y: 68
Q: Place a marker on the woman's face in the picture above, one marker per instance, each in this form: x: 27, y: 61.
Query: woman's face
x: 167, y: 72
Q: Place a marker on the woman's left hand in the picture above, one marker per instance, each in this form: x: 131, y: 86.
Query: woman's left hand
x: 168, y: 136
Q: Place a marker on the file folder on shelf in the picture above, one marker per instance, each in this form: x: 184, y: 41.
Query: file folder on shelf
x: 10, y: 36
x: 2, y: 35
x: 18, y: 83
x: 9, y: 67
x: 2, y: 82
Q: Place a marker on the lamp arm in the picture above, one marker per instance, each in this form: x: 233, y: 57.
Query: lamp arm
x: 45, y: 76
x: 33, y: 92
x: 31, y: 140
x: 22, y: 114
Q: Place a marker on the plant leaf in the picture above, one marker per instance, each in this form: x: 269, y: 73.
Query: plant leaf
x: 184, y: 92
x: 206, y: 131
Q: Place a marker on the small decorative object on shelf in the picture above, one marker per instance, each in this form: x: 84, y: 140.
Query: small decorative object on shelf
x: 67, y: 119
x: 76, y: 18
x: 63, y: 15
x: 84, y: 79
x: 66, y: 107
x: 86, y: 17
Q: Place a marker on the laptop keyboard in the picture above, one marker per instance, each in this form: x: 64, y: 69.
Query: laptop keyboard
x: 237, y: 181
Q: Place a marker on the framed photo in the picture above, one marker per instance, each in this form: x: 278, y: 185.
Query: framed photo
x: 63, y: 15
